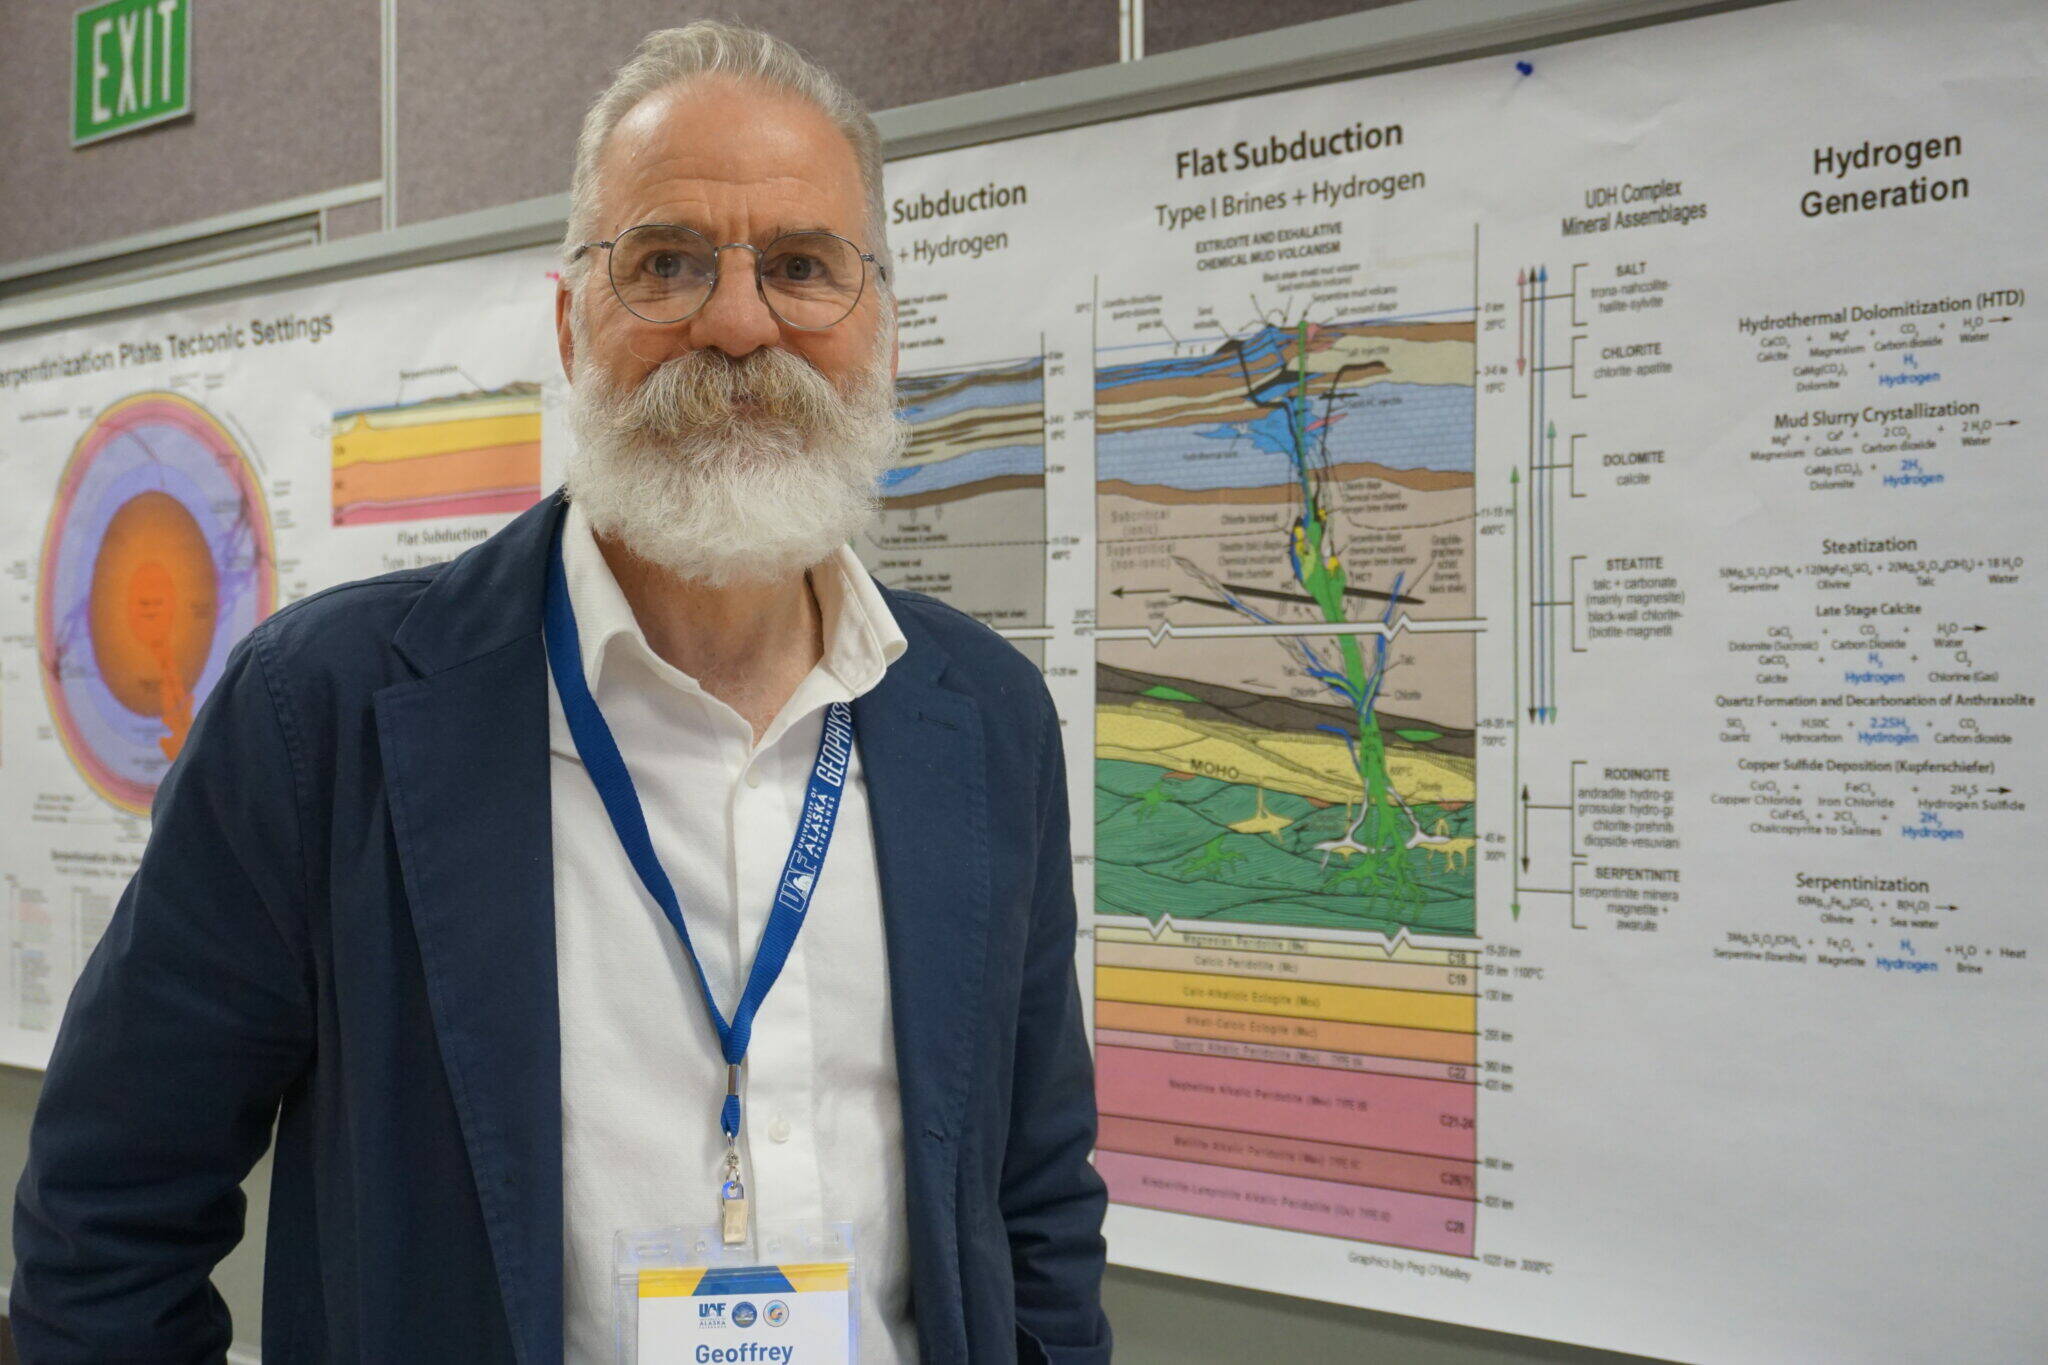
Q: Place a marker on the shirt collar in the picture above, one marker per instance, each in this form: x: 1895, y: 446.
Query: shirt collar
x: 860, y: 632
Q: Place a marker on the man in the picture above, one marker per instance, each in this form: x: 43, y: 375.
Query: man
x: 394, y: 897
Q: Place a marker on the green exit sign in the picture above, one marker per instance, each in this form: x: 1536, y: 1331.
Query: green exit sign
x: 131, y: 66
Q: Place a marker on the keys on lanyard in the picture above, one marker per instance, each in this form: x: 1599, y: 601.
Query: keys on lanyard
x: 732, y: 1195
x: 732, y: 1203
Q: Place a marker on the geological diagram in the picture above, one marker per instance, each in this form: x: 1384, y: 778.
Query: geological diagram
x: 158, y: 557
x: 1284, y: 732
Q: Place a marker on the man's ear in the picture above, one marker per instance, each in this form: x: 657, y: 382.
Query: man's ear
x: 565, y: 340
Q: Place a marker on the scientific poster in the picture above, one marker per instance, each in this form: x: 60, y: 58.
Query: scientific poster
x: 179, y: 477
x: 1550, y: 618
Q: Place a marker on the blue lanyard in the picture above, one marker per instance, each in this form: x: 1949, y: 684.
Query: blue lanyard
x: 600, y: 754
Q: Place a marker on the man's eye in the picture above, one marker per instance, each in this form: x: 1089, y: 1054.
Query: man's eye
x: 665, y: 265
x: 800, y: 269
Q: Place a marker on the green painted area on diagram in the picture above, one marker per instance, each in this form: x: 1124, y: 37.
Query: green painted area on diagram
x: 1163, y: 845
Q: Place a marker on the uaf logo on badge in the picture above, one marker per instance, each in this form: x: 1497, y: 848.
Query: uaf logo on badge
x: 808, y: 1321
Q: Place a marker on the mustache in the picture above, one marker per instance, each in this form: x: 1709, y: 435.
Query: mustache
x: 709, y: 394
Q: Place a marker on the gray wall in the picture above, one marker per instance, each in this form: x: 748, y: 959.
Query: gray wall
x: 287, y: 106
x: 487, y: 97
x: 458, y: 151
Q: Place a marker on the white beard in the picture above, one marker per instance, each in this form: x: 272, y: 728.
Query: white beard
x: 684, y: 479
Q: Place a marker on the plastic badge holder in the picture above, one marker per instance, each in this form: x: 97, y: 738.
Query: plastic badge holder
x: 682, y: 1293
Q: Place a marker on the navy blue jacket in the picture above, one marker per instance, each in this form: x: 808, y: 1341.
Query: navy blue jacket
x: 344, y: 922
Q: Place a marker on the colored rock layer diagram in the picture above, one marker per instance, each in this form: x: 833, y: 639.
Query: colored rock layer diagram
x: 1285, y: 780
x: 963, y: 511
x: 442, y: 457
x: 157, y: 559
x: 1318, y: 1086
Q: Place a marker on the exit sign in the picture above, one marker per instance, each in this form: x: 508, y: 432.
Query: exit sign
x: 131, y: 66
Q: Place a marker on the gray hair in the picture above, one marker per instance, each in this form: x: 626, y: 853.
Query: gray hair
x: 672, y: 56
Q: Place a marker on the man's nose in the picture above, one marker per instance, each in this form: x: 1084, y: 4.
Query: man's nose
x: 735, y: 319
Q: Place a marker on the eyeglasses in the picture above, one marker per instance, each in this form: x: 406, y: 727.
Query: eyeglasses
x: 663, y: 272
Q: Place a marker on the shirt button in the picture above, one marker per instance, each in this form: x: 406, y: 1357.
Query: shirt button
x: 753, y: 777
x: 778, y: 1131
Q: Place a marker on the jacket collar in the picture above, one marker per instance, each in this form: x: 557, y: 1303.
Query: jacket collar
x: 485, y: 598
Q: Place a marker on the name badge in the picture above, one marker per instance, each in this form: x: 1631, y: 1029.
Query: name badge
x: 685, y: 1297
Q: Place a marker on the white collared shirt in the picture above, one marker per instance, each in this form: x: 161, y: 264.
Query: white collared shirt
x: 642, y: 1076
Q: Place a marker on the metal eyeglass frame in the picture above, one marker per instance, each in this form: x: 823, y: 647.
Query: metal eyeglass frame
x: 717, y: 271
